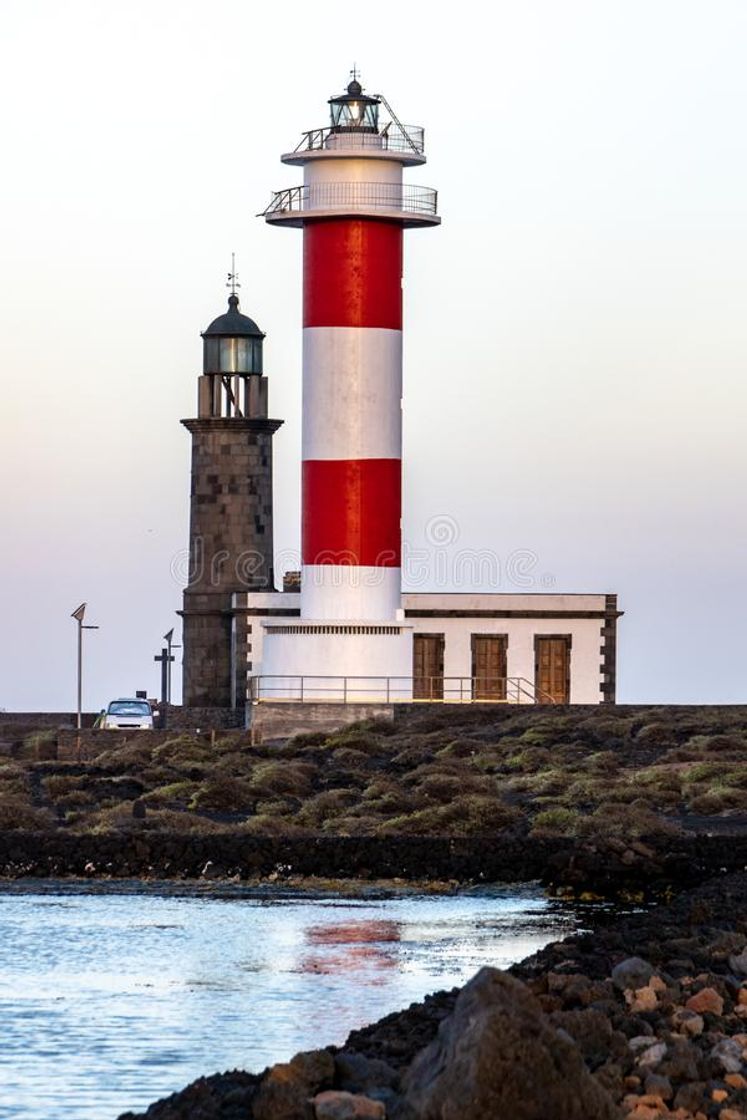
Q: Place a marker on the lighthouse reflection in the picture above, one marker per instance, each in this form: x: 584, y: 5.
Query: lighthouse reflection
x: 370, y: 948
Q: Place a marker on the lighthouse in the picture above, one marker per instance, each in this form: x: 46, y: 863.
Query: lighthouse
x: 351, y: 639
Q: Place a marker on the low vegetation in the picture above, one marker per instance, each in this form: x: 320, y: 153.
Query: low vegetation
x: 458, y: 772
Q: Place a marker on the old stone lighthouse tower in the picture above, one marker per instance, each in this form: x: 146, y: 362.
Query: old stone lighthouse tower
x: 230, y: 534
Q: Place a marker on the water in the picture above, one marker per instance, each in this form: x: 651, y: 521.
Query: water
x: 111, y: 1000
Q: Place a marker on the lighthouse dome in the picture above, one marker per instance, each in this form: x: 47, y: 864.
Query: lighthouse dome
x: 232, y: 324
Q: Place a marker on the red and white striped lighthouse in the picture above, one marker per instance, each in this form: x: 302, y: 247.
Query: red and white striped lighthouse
x: 353, y: 208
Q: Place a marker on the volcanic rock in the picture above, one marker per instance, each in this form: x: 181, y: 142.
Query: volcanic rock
x: 497, y: 1055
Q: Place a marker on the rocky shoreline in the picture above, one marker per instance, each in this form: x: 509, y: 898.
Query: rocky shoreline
x: 644, y: 1018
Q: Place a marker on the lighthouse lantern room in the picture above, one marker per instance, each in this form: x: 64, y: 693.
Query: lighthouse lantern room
x: 353, y: 207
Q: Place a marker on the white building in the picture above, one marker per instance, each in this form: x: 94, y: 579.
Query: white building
x: 520, y: 648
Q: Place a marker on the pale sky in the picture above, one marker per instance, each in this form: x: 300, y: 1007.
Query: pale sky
x: 575, y: 340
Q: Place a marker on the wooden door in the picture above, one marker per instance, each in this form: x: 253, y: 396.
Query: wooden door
x: 428, y: 666
x: 489, y: 666
x: 552, y: 668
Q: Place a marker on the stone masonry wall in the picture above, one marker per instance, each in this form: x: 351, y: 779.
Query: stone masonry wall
x: 231, y: 545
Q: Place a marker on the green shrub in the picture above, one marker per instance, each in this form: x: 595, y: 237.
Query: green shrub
x: 224, y: 795
x: 462, y: 748
x: 357, y: 738
x: 184, y: 750
x: 75, y: 799
x: 327, y: 805
x: 625, y: 822
x: 658, y: 778
x: 528, y: 760
x: 307, y: 739
x: 171, y: 820
x: 717, y: 799
x: 704, y: 772
x: 267, y: 825
x: 286, y: 807
x: 349, y: 760
x: 183, y: 791
x: 134, y: 754
x: 58, y: 785
x: 293, y: 778
x: 604, y: 762
x: 656, y: 735
x: 556, y: 822
x: 465, y: 816
x: 16, y: 813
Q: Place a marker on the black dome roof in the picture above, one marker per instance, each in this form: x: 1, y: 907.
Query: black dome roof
x: 233, y: 324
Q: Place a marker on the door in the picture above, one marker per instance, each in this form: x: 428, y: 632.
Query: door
x: 428, y: 666
x: 489, y: 666
x: 552, y: 668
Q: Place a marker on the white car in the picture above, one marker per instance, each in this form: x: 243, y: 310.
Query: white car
x: 126, y: 714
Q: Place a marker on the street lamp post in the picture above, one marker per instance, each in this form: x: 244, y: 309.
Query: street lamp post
x: 169, y: 639
x: 79, y: 614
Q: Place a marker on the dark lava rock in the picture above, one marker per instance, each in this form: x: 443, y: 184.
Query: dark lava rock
x: 286, y: 1089
x: 224, y: 1096
x: 497, y: 1055
x: 357, y: 1074
x: 632, y: 973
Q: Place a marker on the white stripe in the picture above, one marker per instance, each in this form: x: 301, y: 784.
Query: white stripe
x: 329, y: 591
x: 352, y: 393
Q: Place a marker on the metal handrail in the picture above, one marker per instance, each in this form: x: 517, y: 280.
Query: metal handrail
x: 393, y: 137
x: 366, y: 196
x: 431, y: 689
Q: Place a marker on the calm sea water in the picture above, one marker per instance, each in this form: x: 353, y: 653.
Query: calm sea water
x: 110, y: 1000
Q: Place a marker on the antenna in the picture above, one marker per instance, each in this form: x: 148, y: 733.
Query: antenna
x: 233, y: 277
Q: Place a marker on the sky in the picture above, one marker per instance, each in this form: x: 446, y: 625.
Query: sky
x: 575, y: 338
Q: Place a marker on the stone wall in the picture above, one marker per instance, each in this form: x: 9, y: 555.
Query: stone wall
x: 138, y: 852
x: 205, y: 719
x: 35, y: 721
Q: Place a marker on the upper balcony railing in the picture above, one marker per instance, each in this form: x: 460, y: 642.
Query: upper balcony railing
x: 391, y: 138
x: 403, y: 198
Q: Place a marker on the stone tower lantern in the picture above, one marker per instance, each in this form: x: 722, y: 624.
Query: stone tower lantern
x: 230, y: 534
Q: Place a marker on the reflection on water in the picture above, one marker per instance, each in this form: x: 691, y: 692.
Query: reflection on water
x: 362, y: 948
x: 109, y: 1001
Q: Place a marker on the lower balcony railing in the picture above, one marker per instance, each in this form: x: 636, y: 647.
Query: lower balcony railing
x: 392, y: 690
x: 356, y: 196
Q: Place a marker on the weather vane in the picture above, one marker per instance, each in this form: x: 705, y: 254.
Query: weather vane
x: 233, y: 277
x: 354, y: 73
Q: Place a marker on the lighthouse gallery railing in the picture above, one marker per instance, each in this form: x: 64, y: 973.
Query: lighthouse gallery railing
x: 391, y: 138
x: 364, y: 196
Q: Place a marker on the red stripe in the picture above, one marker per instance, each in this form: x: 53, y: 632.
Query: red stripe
x: 351, y: 512
x: 352, y: 272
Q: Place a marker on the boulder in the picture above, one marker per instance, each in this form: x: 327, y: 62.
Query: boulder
x: 632, y: 973
x: 285, y: 1090
x: 358, y: 1074
x: 727, y: 1055
x: 497, y: 1055
x: 706, y: 1000
x: 335, y: 1104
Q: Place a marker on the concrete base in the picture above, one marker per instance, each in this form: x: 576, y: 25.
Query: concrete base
x: 279, y: 721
